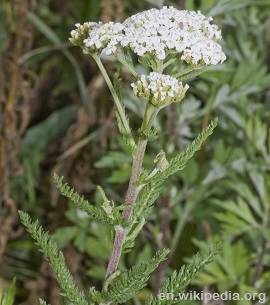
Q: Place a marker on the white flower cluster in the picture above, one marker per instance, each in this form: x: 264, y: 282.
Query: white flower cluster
x: 159, y: 32
x: 156, y: 32
x: 101, y: 37
x: 105, y: 37
x: 159, y: 89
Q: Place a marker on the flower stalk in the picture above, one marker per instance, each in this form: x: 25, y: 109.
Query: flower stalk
x: 119, y: 107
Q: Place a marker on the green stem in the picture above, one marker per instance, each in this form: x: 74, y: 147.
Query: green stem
x: 149, y: 116
x: 166, y: 64
x: 118, y: 105
x: 159, y: 66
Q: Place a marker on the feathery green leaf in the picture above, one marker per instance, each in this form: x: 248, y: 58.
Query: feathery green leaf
x: 83, y: 204
x: 142, y: 210
x: 146, y: 200
x: 95, y: 296
x: 55, y: 258
x: 180, y: 161
x: 179, y: 280
x: 149, y: 135
x: 132, y: 234
x: 193, y: 74
x: 128, y: 283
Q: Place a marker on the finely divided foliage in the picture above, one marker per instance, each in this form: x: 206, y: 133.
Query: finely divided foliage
x: 153, y: 186
x: 92, y: 211
x: 142, y: 210
x: 55, y: 258
x: 179, y: 280
x: 128, y: 283
x: 180, y: 161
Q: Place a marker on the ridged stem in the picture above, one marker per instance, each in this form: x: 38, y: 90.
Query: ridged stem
x: 133, y: 190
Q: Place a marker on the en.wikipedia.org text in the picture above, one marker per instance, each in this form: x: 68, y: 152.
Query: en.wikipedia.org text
x: 207, y: 296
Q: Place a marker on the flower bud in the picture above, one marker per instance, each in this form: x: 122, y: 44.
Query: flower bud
x: 159, y: 89
x: 161, y: 162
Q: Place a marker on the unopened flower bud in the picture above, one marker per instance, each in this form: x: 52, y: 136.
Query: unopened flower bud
x: 159, y: 89
x: 82, y: 32
x: 161, y: 162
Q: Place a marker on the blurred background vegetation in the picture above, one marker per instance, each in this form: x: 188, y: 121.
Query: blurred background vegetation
x: 56, y: 115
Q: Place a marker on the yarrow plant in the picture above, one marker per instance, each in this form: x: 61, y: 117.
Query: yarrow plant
x: 176, y: 46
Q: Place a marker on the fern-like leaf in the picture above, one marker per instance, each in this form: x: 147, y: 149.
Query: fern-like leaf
x: 132, y: 234
x: 142, y: 210
x: 193, y: 74
x: 55, y: 258
x: 179, y: 280
x: 149, y: 135
x: 83, y: 204
x: 127, y: 284
x: 149, y: 195
x: 180, y: 161
x: 95, y: 296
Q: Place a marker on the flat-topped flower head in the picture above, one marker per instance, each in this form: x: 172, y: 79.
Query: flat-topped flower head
x: 159, y: 89
x: 105, y: 38
x: 155, y: 33
x: 158, y: 32
x: 98, y: 37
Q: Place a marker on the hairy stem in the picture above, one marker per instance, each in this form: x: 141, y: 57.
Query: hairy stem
x: 133, y: 190
x: 132, y: 193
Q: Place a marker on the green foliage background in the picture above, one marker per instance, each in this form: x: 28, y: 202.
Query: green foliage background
x: 222, y: 194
